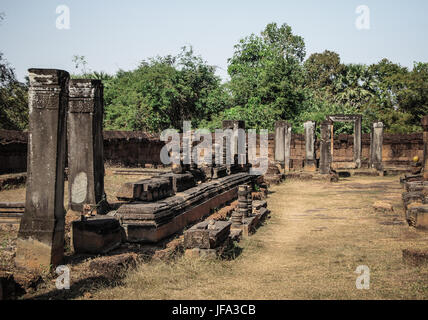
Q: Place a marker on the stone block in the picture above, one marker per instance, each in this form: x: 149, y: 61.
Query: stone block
x: 181, y: 181
x: 207, y: 234
x: 413, y: 197
x: 417, y: 216
x: 96, y: 235
x: 151, y: 222
x: 150, y: 190
x: 219, y: 172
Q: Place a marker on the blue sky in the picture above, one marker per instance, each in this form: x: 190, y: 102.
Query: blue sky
x: 119, y: 34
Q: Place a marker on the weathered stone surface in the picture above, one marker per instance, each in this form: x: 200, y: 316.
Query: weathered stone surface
x: 149, y: 190
x: 96, y: 235
x: 325, y: 151
x: 154, y: 221
x: 181, y: 181
x: 357, y: 120
x: 411, y: 178
x: 219, y: 172
x: 207, y: 234
x: 383, y: 206
x: 415, y: 186
x: 376, y: 143
x: 413, y: 197
x: 310, y: 164
x: 40, y: 241
x: 280, y: 127
x: 417, y: 216
x: 235, y: 150
x: 85, y: 143
x: 258, y: 205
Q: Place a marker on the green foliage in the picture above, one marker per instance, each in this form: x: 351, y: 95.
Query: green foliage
x: 164, y: 91
x: 269, y: 81
x: 13, y: 99
x: 267, y: 77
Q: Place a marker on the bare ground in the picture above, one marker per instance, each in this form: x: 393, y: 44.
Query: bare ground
x: 318, y: 235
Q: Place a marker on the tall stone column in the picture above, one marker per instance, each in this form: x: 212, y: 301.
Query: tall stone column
x: 325, y: 147
x: 280, y: 128
x: 85, y: 144
x: 376, y: 143
x: 425, y: 134
x: 40, y: 243
x: 357, y: 141
x: 287, y: 147
x: 310, y: 164
x: 236, y: 150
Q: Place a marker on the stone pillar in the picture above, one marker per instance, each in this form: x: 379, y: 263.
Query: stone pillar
x: 242, y: 211
x: 325, y: 147
x: 376, y: 142
x: 310, y: 164
x: 357, y: 141
x: 85, y: 144
x: 280, y: 128
x: 425, y: 135
x: 287, y: 147
x: 249, y: 201
x: 40, y: 243
x: 236, y: 150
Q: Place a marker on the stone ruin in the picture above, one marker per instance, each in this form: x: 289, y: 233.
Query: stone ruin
x: 66, y: 116
x: 324, y: 165
x: 415, y: 198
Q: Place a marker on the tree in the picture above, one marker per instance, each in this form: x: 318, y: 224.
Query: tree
x: 13, y: 99
x: 267, y: 77
x: 164, y: 91
x: 322, y: 71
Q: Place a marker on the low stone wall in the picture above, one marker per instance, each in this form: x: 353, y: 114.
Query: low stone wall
x: 120, y: 148
x: 129, y: 148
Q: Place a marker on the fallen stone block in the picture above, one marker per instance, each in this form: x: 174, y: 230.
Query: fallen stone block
x: 412, y: 197
x: 96, y: 235
x: 235, y: 234
x: 207, y: 234
x: 146, y: 190
x: 258, y: 205
x: 219, y: 172
x: 418, y: 216
x: 198, y: 253
x: 411, y: 178
x: 263, y: 214
x: 382, y: 206
x: 181, y: 181
x: 415, y: 186
x: 151, y: 222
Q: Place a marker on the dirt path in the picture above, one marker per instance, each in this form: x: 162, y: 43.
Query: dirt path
x: 318, y: 235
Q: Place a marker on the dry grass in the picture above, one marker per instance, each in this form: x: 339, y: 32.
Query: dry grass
x: 112, y: 184
x: 318, y: 234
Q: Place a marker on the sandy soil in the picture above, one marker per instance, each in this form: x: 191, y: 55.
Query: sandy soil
x: 318, y: 235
